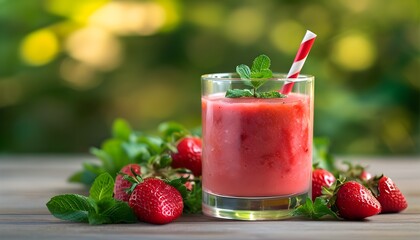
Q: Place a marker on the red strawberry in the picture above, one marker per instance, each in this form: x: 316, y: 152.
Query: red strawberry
x: 321, y: 178
x: 390, y: 197
x: 121, y: 185
x: 355, y: 202
x: 189, y: 184
x: 365, y: 176
x: 188, y: 155
x: 155, y: 201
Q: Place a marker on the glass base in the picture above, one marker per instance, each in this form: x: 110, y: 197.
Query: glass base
x: 250, y: 208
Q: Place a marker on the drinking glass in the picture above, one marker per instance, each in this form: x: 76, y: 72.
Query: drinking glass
x: 257, y: 152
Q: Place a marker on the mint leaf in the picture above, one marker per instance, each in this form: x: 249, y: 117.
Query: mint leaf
x: 237, y: 93
x: 98, y: 218
x: 119, y: 157
x: 87, y: 175
x: 321, y: 156
x: 103, y: 187
x: 256, y: 83
x: 117, y: 211
x: 272, y: 94
x: 256, y: 77
x: 99, y: 208
x: 104, y: 157
x: 137, y: 151
x: 266, y: 73
x: 172, y: 131
x: 261, y: 63
x: 260, y: 70
x: 243, y: 71
x: 70, y: 207
x: 314, y: 210
x: 192, y: 203
x: 322, y: 209
x: 121, y: 129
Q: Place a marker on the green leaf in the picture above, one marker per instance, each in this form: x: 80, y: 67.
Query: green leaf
x: 153, y: 144
x: 197, y: 131
x: 257, y: 74
x: 192, y: 199
x: 88, y: 174
x: 321, y: 156
x: 322, y: 209
x: 76, y: 177
x: 238, y: 93
x: 178, y: 183
x: 165, y: 161
x: 257, y: 83
x: 314, y: 210
x: 120, y: 212
x: 104, y: 157
x: 261, y: 63
x: 95, y: 218
x: 119, y: 157
x: 243, y: 71
x: 264, y: 74
x: 271, y: 94
x: 70, y: 207
x: 172, y: 131
x: 102, y: 187
x: 137, y: 152
x: 121, y: 129
x: 192, y: 203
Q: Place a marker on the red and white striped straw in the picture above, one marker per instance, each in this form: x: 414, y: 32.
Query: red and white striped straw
x: 300, y: 58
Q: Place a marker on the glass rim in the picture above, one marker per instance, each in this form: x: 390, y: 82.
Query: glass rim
x: 231, y: 76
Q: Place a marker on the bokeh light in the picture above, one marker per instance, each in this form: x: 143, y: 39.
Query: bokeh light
x: 39, y: 47
x: 285, y: 36
x: 208, y: 14
x: 78, y: 75
x: 95, y: 47
x: 78, y: 11
x: 245, y: 25
x: 129, y: 18
x: 354, y: 52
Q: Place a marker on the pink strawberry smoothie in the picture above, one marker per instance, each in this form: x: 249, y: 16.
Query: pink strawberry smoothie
x: 257, y: 147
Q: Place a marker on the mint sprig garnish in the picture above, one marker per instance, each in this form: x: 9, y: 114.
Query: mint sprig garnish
x: 238, y: 93
x: 99, y: 208
x: 254, y: 77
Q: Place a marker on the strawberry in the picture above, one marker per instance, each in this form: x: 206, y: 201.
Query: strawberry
x: 321, y: 178
x: 155, y: 201
x: 188, y: 155
x: 355, y: 202
x: 121, y: 185
x: 365, y: 176
x: 390, y: 197
x: 190, y: 182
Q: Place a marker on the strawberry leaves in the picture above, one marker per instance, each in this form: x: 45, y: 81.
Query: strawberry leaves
x: 128, y: 146
x: 192, y: 199
x: 314, y: 210
x: 99, y: 208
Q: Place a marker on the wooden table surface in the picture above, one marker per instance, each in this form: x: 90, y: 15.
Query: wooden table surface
x: 28, y: 182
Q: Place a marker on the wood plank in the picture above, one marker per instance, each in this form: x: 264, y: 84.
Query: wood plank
x: 27, y: 183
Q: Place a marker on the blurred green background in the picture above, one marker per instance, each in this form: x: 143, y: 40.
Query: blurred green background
x: 69, y: 68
